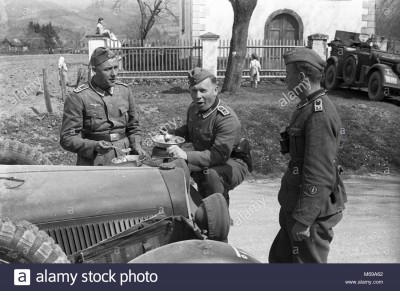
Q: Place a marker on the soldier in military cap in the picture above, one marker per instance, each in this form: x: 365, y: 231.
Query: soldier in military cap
x: 312, y: 194
x: 101, y: 116
x: 217, y: 163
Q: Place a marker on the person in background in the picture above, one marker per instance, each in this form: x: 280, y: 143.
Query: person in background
x: 255, y: 68
x: 100, y: 28
x: 62, y: 69
x: 312, y: 195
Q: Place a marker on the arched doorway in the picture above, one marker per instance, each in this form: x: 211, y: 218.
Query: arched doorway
x: 284, y: 24
x: 283, y: 27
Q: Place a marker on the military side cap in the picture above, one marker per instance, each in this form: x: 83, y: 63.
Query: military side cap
x: 304, y: 55
x: 198, y: 75
x: 101, y: 55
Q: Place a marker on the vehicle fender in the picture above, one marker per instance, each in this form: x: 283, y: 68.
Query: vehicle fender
x: 354, y: 56
x: 332, y: 60
x: 390, y: 79
x: 196, y: 251
x: 338, y: 65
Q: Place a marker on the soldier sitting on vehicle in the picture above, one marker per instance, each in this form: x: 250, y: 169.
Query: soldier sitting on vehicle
x: 221, y: 158
x: 100, y: 117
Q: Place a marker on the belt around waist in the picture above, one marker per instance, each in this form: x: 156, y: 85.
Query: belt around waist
x: 106, y: 137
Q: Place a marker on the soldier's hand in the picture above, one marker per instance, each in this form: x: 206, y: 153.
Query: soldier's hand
x: 102, y: 147
x: 141, y: 152
x: 163, y: 130
x: 300, y: 231
x: 176, y: 152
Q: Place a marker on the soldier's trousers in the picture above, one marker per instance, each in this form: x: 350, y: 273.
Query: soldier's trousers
x: 314, y: 249
x: 220, y: 179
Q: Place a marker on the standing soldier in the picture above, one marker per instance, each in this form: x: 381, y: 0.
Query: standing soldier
x: 312, y: 194
x: 100, y: 117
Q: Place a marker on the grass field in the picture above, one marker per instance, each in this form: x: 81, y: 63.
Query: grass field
x: 370, y: 143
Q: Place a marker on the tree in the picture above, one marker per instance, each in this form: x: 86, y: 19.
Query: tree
x: 149, y: 13
x: 243, y: 10
x: 51, y: 38
x: 47, y: 31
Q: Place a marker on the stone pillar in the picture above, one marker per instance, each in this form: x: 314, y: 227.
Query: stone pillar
x: 209, y: 55
x: 319, y: 43
x: 95, y: 41
x: 369, y: 17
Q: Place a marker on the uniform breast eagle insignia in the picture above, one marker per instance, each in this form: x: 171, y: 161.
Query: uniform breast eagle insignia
x: 81, y: 88
x: 318, y: 107
x: 223, y: 110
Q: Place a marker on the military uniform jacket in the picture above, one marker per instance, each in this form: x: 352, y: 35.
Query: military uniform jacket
x: 312, y: 187
x: 214, y: 133
x: 91, y: 110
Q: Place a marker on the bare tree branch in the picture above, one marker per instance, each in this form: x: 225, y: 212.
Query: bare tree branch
x: 149, y: 12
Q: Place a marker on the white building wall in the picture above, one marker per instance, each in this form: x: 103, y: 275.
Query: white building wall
x: 318, y: 16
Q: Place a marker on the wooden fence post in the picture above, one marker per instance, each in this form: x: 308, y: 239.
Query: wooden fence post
x: 62, y: 83
x: 46, y: 92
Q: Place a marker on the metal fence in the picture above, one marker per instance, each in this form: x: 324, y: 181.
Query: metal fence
x: 270, y: 54
x: 157, y: 59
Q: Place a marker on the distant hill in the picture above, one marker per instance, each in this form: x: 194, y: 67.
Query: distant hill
x: 69, y: 21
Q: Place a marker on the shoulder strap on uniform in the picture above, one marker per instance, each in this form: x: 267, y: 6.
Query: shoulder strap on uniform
x: 121, y: 83
x: 223, y: 110
x: 318, y: 107
x: 81, y: 88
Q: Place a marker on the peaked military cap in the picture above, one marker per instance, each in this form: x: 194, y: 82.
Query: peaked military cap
x: 198, y: 75
x: 101, y: 55
x: 304, y: 55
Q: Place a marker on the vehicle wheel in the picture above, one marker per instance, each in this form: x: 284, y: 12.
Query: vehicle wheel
x: 23, y: 242
x: 349, y: 71
x: 331, y: 80
x: 375, y: 87
x: 16, y: 153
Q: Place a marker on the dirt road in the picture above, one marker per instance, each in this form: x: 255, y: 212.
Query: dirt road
x: 368, y: 233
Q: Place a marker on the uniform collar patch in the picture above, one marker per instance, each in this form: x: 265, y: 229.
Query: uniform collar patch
x: 310, y: 98
x: 100, y: 91
x: 208, y: 112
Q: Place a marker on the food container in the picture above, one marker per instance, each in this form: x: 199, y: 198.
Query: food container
x: 127, y: 161
x: 159, y: 141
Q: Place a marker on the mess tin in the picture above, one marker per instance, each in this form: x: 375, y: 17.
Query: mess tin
x: 161, y: 142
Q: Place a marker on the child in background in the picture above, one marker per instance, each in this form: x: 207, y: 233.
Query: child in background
x: 62, y: 68
x: 255, y: 68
